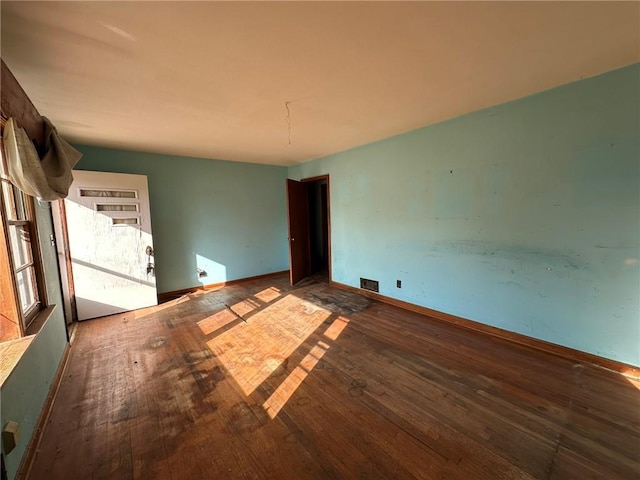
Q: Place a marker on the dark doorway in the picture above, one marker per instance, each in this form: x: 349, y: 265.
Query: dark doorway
x: 309, y: 228
x: 318, y: 226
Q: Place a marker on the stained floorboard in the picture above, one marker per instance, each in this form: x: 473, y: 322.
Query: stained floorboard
x: 261, y: 380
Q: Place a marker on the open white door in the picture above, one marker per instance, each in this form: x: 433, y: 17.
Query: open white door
x: 110, y: 241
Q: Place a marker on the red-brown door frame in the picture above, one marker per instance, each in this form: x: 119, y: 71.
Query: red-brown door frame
x: 59, y: 214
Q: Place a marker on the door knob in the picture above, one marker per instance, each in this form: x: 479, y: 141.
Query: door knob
x: 151, y: 268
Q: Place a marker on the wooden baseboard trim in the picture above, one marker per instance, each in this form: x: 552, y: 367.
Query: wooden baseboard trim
x: 168, y: 296
x: 548, y: 347
x: 34, y: 442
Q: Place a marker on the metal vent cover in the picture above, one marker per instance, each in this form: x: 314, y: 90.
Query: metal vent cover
x: 367, y: 284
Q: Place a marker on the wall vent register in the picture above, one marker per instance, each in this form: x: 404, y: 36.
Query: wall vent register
x: 371, y: 285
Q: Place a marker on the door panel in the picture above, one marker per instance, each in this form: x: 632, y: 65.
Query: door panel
x: 298, y: 212
x: 110, y: 242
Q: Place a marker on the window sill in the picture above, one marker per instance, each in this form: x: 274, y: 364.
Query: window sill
x: 12, y: 351
x: 38, y: 322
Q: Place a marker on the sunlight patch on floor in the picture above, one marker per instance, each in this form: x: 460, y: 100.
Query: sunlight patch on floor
x: 216, y: 321
x: 268, y: 294
x: 286, y: 389
x: 335, y: 329
x: 252, y: 351
x: 245, y: 306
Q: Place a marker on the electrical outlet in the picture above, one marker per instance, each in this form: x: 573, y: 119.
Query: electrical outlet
x: 398, y: 283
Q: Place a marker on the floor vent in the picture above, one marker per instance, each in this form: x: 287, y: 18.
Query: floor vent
x: 367, y: 284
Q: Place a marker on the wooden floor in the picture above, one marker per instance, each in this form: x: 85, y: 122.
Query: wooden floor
x: 317, y: 383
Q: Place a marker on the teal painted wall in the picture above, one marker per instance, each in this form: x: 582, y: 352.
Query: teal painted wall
x: 226, y: 218
x: 24, y: 392
x: 524, y: 216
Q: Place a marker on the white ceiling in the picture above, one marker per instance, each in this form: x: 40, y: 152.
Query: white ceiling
x: 212, y: 79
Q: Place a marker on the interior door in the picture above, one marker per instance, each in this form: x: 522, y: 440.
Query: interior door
x: 110, y: 242
x: 298, y: 213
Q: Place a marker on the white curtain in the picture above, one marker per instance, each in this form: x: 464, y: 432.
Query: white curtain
x: 48, y: 178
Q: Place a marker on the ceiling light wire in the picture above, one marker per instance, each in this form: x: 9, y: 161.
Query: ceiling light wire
x: 286, y: 105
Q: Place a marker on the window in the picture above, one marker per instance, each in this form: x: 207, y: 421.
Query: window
x: 23, y: 255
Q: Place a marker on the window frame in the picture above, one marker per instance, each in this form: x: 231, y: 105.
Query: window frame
x: 20, y: 215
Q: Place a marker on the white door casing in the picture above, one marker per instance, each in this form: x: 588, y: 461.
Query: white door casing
x: 110, y: 242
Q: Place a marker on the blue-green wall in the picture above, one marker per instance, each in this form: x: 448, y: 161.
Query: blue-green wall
x: 524, y: 216
x: 226, y: 218
x: 24, y: 392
